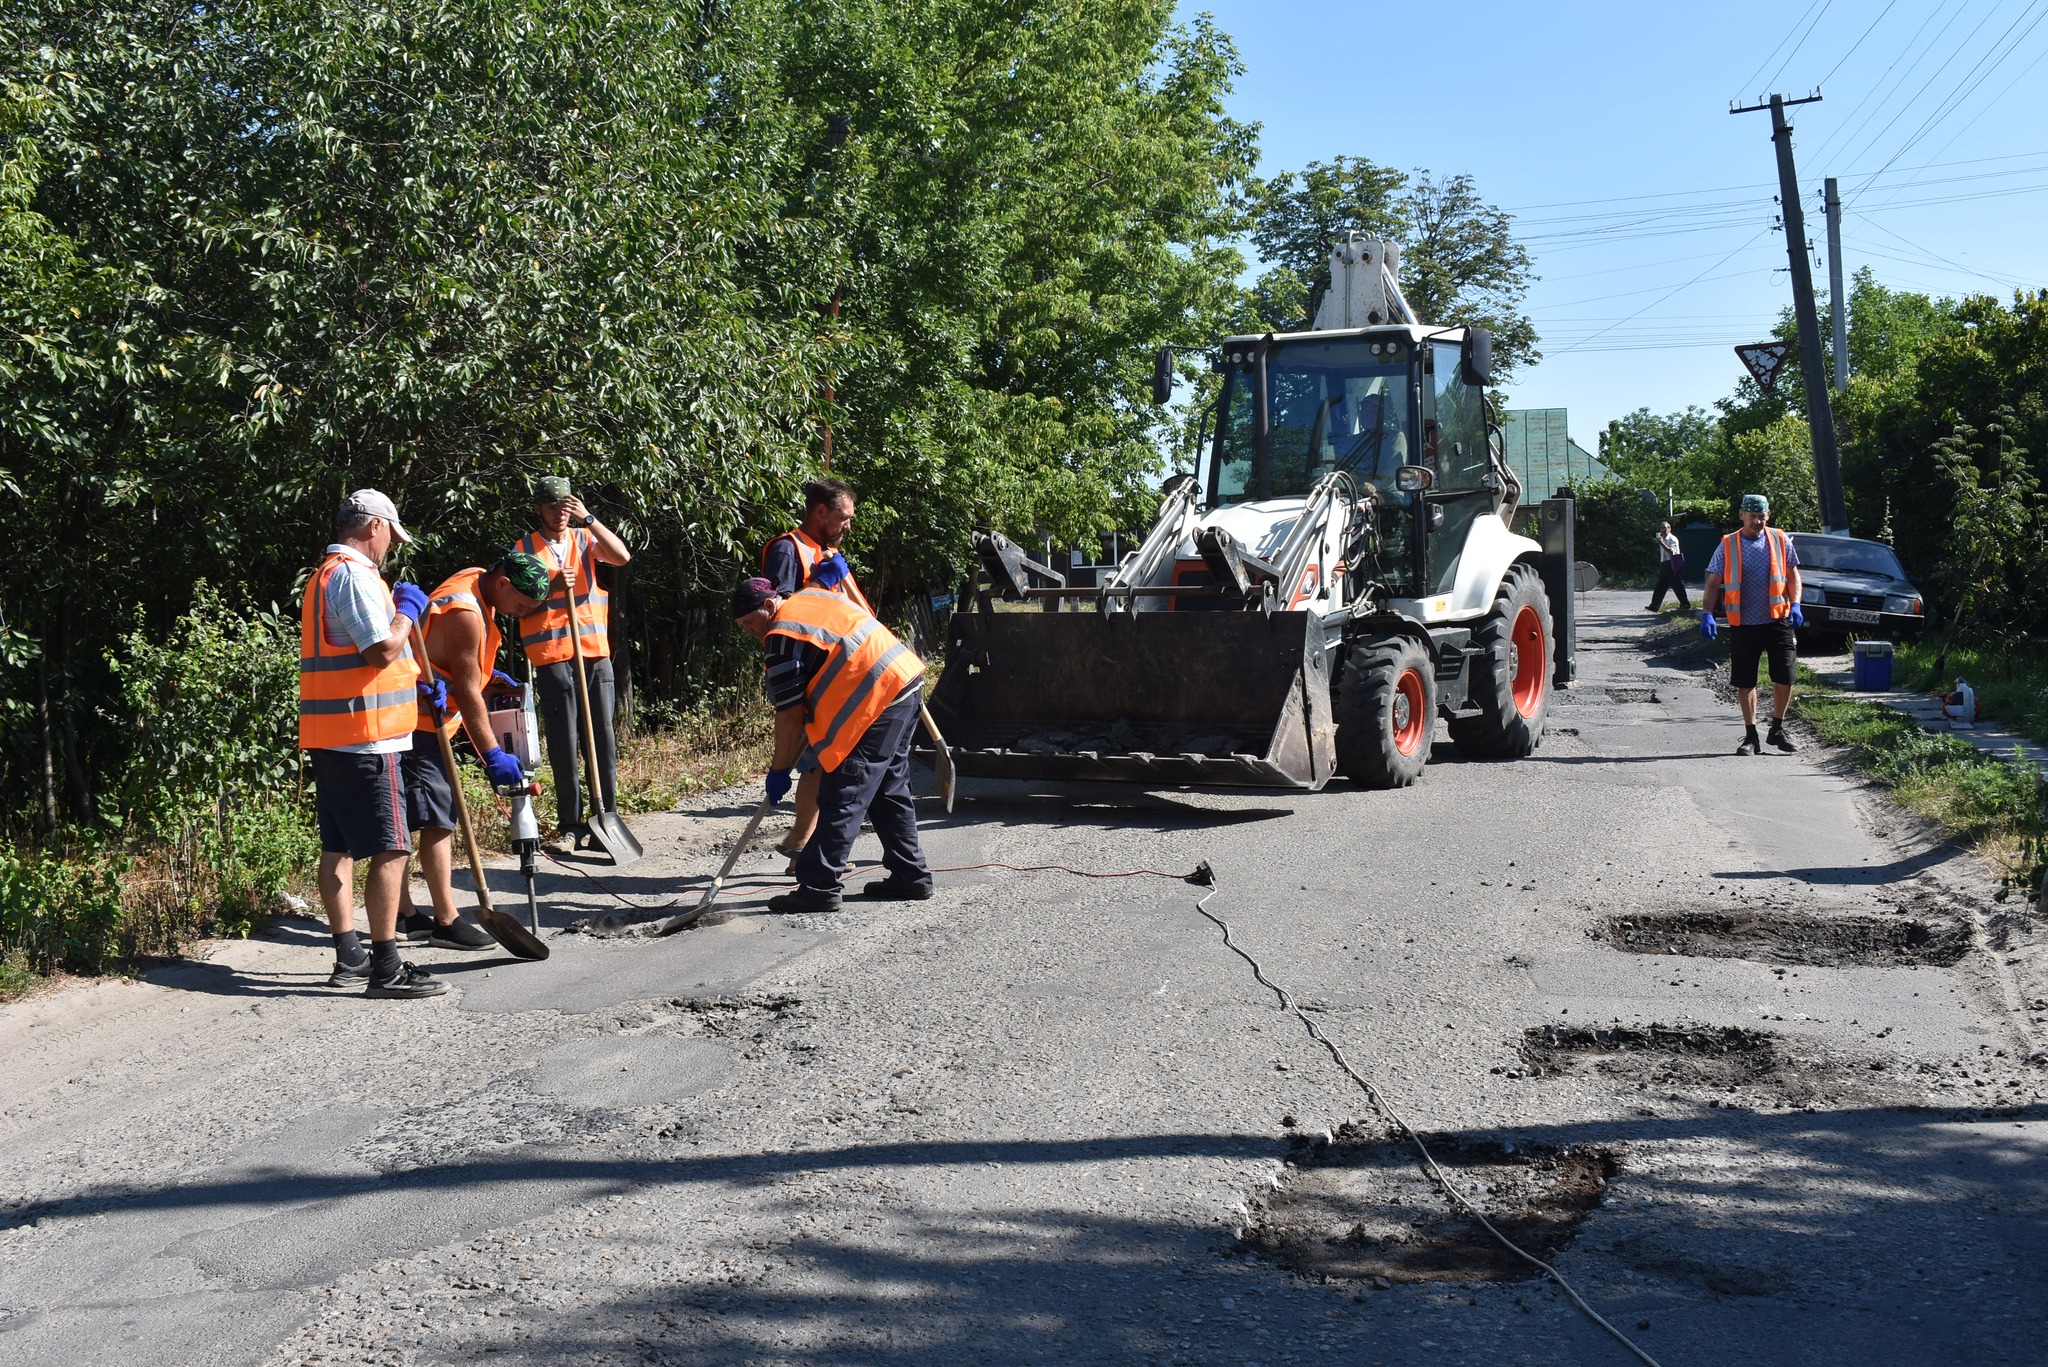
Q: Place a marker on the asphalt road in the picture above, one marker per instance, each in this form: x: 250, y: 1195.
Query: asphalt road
x: 1044, y: 1118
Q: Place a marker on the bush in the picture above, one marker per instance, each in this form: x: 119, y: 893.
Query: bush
x: 57, y: 913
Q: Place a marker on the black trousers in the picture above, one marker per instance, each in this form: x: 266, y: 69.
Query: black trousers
x: 561, y: 716
x: 872, y: 783
x: 1667, y: 578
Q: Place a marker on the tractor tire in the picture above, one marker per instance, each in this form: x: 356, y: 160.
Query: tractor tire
x: 1386, y: 710
x: 1511, y: 673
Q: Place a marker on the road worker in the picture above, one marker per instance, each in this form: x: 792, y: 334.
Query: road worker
x: 841, y: 683
x: 806, y: 553
x: 1754, y: 577
x: 461, y: 630
x: 572, y: 544
x: 357, y: 706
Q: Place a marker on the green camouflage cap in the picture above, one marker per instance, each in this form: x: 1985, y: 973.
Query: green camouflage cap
x: 551, y: 489
x: 525, y: 573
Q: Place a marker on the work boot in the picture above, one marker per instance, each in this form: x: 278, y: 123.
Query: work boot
x: 1778, y: 737
x: 805, y: 900
x: 893, y: 889
x: 1750, y: 744
x: 409, y: 982
x: 462, y: 933
x: 415, y: 928
x: 356, y: 974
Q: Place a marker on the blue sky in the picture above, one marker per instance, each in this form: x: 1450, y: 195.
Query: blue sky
x: 1604, y: 128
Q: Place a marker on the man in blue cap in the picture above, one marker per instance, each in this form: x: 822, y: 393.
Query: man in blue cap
x: 1754, y: 578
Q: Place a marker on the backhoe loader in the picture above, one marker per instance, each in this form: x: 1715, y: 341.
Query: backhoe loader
x: 1345, y: 575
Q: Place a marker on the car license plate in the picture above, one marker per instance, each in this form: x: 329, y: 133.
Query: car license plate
x: 1852, y: 615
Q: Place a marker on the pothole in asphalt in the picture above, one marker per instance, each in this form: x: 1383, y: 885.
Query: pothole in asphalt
x: 1633, y: 695
x: 1735, y: 1068
x: 1790, y: 937
x: 1359, y: 1206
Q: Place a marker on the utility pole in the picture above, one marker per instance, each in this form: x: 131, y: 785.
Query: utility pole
x: 1820, y: 416
x: 1838, y: 297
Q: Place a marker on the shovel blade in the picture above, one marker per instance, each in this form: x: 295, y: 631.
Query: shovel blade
x: 518, y: 941
x: 614, y: 839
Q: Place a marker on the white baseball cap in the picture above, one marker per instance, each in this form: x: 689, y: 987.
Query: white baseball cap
x: 371, y: 503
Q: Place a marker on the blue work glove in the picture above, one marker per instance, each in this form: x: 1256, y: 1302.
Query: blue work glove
x: 503, y: 767
x: 1708, y: 631
x: 411, y: 599
x: 778, y: 785
x: 503, y: 680
x: 434, y: 697
x: 832, y: 571
x: 1798, y: 617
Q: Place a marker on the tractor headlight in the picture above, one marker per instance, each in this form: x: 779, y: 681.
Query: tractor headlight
x: 1812, y: 593
x: 1899, y: 602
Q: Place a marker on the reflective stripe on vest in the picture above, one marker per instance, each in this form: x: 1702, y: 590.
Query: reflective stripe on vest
x: 343, y: 698
x: 808, y: 554
x: 1779, y: 580
x: 545, y: 634
x: 458, y: 593
x: 866, y: 668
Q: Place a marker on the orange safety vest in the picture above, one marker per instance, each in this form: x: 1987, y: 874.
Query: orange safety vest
x: 808, y: 554
x: 343, y: 698
x: 1731, y: 575
x: 458, y: 593
x: 866, y: 668
x: 545, y: 634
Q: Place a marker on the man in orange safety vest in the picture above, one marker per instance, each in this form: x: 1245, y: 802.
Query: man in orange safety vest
x: 1754, y: 576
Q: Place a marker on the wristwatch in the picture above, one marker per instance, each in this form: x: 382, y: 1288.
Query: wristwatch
x: 586, y: 520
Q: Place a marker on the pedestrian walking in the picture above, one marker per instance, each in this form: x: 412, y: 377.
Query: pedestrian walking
x: 842, y: 683
x: 1670, y: 570
x: 461, y: 631
x: 572, y: 544
x: 809, y: 554
x: 357, y: 706
x: 1754, y: 578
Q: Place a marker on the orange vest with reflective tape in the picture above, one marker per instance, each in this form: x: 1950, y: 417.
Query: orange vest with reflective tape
x: 458, y: 593
x: 866, y: 668
x: 808, y: 554
x: 1780, y: 580
x: 545, y: 634
x: 343, y: 698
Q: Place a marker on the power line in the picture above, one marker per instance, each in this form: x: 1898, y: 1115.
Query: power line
x: 1774, y: 51
x: 1906, y: 108
x: 1687, y: 285
x: 1874, y: 97
x: 1800, y: 44
x: 1858, y: 43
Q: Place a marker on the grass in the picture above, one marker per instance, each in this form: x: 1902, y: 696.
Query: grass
x: 1987, y: 803
x: 2013, y: 692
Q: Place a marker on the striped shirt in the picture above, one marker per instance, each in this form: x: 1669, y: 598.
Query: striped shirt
x: 1756, y: 573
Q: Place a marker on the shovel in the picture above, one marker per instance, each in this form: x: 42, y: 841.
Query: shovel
x: 506, y: 930
x: 942, y: 757
x: 683, y: 918
x: 605, y: 826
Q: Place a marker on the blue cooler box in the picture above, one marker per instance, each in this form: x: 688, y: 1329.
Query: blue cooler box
x: 1873, y: 666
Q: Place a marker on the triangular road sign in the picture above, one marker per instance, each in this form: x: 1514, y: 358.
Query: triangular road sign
x: 1765, y: 360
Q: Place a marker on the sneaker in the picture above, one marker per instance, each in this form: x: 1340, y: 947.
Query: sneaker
x: 1750, y: 744
x: 416, y: 928
x: 804, y: 900
x: 462, y: 933
x: 1779, y: 739
x: 891, y: 890
x: 356, y: 974
x: 411, y: 982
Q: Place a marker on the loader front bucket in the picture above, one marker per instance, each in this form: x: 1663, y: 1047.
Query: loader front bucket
x: 1210, y: 698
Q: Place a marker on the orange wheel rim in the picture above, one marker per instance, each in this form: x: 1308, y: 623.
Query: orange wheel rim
x: 1410, y: 719
x: 1527, y: 679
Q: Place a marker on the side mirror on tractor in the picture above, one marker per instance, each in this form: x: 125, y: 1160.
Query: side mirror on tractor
x: 1477, y: 360
x: 1162, y: 376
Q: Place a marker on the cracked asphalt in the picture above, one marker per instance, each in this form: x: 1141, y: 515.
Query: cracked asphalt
x: 1029, y: 1121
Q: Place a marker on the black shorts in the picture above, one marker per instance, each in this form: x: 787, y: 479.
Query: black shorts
x: 429, y: 787
x: 360, y: 803
x: 1747, y: 644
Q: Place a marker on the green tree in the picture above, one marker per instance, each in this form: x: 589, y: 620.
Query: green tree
x: 1994, y: 543
x: 1775, y: 461
x: 1662, y: 451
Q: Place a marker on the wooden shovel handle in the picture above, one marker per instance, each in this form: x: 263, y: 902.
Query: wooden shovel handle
x: 476, y: 863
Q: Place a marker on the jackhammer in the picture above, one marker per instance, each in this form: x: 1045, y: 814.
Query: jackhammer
x: 518, y: 731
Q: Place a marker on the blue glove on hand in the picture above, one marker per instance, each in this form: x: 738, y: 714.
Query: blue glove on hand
x: 1798, y: 617
x: 832, y: 571
x: 434, y: 697
x: 778, y: 785
x: 503, y: 680
x: 1708, y: 631
x: 411, y: 600
x: 503, y: 767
